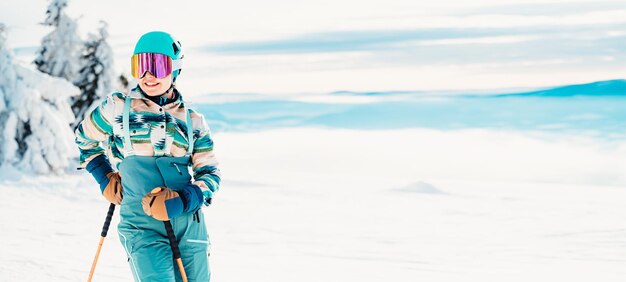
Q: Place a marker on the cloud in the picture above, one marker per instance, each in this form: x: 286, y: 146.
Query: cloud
x: 384, y: 40
x: 542, y: 9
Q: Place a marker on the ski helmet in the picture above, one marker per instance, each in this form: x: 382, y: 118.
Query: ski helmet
x: 162, y: 43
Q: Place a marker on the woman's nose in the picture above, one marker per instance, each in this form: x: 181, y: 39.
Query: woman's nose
x: 148, y: 74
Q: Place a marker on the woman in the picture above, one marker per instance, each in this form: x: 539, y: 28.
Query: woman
x: 153, y: 138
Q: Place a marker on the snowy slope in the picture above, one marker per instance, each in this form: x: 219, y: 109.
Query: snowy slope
x: 343, y: 205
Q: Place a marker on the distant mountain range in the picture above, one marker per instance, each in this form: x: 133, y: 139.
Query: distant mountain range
x: 615, y: 87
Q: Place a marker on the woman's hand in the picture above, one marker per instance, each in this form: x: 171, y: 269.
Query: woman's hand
x: 163, y: 204
x: 113, y: 190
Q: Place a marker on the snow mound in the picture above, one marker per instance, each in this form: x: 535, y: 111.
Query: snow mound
x: 422, y: 188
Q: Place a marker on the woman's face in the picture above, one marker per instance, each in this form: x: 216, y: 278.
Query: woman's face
x: 153, y: 86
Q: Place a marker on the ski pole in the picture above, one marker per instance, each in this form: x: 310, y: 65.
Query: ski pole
x: 103, y: 234
x: 173, y: 242
x: 175, y: 249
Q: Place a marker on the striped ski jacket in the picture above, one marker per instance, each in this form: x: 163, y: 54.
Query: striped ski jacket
x: 154, y: 131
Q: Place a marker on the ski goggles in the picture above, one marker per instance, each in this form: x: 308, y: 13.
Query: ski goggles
x: 159, y: 65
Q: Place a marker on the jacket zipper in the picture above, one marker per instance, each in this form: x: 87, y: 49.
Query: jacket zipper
x: 178, y: 169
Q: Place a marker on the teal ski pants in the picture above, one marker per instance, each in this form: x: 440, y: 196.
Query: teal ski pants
x: 144, y: 238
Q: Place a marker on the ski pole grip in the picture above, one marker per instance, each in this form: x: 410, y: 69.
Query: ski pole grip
x: 172, y: 237
x: 107, y: 221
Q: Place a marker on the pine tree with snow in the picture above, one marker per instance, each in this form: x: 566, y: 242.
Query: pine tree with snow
x: 59, y: 54
x: 34, y: 114
x: 96, y: 76
x: 124, y: 83
x: 6, y: 73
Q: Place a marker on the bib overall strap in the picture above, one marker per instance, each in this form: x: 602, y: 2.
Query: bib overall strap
x: 128, y: 146
x: 189, y: 135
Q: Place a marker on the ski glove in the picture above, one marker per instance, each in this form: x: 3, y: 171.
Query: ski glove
x: 113, y: 191
x: 164, y: 203
x: 110, y: 182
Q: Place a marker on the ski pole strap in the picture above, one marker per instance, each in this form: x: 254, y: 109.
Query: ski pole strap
x: 189, y: 134
x: 107, y: 221
x: 128, y: 146
x: 172, y: 238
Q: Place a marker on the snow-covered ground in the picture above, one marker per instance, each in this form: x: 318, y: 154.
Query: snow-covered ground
x: 314, y: 204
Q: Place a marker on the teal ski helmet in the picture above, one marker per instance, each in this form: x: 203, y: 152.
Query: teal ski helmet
x: 162, y: 43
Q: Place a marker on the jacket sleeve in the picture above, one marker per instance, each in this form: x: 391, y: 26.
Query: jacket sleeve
x: 206, y: 173
x: 93, y: 130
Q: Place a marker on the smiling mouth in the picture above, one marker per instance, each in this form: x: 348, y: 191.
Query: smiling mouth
x: 151, y: 84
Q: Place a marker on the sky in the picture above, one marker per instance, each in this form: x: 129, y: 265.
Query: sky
x: 280, y: 47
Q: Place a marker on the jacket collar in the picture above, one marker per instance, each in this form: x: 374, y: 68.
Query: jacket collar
x: 136, y: 93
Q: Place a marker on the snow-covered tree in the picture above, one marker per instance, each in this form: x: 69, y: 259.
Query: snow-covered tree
x: 6, y: 73
x: 124, y: 83
x: 95, y: 78
x: 59, y: 54
x: 34, y: 114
